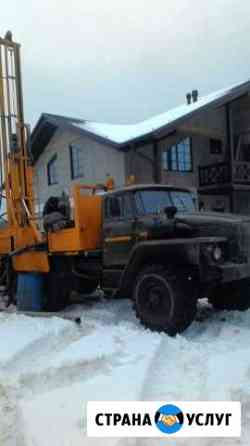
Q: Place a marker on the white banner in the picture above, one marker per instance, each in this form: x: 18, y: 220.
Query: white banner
x: 163, y: 419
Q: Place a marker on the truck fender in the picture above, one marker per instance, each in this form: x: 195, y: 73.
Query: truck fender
x: 181, y: 253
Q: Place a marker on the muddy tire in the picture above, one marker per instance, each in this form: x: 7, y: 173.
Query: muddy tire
x: 164, y: 300
x: 232, y: 296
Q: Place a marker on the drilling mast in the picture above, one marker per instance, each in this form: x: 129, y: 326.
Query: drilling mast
x: 15, y: 162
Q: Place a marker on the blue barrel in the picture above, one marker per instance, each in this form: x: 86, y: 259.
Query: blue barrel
x: 30, y: 292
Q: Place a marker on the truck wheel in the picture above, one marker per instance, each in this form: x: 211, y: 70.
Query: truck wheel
x: 162, y: 302
x: 11, y: 286
x: 90, y: 287
x: 57, y: 292
x: 57, y: 301
x: 83, y: 286
x: 109, y: 294
x: 232, y: 296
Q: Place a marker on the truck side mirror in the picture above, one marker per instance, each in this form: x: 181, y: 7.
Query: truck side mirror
x: 170, y: 212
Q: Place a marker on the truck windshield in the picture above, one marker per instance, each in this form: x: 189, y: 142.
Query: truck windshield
x: 154, y: 201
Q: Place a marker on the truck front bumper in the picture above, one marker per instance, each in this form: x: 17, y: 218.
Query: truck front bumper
x: 227, y: 272
x: 224, y: 273
x: 234, y: 271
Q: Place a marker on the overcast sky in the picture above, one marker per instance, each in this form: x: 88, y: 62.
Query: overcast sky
x: 123, y: 61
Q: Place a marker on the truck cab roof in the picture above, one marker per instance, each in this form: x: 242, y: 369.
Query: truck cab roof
x: 136, y: 187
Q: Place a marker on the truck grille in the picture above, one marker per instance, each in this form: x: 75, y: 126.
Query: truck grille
x: 237, y: 248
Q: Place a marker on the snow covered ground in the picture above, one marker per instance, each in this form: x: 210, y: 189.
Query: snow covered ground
x: 50, y: 367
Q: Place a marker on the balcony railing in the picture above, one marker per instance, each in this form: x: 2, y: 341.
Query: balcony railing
x: 214, y: 174
x: 241, y: 172
x: 219, y: 174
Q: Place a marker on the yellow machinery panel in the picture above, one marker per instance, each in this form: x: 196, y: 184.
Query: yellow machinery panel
x: 5, y: 240
x: 23, y: 237
x: 64, y: 240
x: 86, y: 233
x: 31, y: 262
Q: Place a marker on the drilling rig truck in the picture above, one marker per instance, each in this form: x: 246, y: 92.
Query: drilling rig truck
x: 147, y: 243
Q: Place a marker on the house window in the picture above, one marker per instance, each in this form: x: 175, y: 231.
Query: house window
x: 77, y: 161
x: 52, y: 171
x: 215, y: 146
x: 178, y: 158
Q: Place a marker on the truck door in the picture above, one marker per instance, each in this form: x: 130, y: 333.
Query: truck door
x: 118, y: 228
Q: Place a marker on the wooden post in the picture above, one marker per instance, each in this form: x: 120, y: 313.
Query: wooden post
x: 132, y: 151
x: 157, y: 168
x: 230, y: 151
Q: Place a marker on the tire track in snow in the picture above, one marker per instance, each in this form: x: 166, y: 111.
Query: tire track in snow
x: 34, y: 370
x: 45, y: 348
x: 25, y: 375
x: 178, y: 370
x: 53, y: 378
x: 176, y: 361
x: 10, y: 431
x: 183, y: 369
x: 15, y: 382
x: 30, y: 385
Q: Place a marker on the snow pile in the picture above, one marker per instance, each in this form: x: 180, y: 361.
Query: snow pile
x: 54, y: 367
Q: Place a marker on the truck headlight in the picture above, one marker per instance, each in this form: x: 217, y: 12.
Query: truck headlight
x: 217, y: 253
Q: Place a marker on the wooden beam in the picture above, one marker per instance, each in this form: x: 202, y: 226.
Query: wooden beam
x: 157, y: 169
x: 237, y: 151
x: 200, y: 131
x: 143, y: 156
x: 230, y: 148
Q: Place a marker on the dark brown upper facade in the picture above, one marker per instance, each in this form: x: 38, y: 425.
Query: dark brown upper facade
x: 204, y: 145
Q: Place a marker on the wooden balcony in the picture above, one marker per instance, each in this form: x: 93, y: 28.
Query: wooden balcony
x: 219, y: 175
x: 241, y: 172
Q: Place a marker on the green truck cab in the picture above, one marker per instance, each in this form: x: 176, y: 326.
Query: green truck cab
x: 160, y: 251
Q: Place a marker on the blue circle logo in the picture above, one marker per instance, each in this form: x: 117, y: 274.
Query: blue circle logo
x: 169, y: 419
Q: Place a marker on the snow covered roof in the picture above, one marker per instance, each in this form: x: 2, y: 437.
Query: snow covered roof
x: 122, y: 134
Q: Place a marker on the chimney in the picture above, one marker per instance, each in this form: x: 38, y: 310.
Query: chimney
x: 195, y: 95
x: 8, y: 36
x: 189, y: 98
